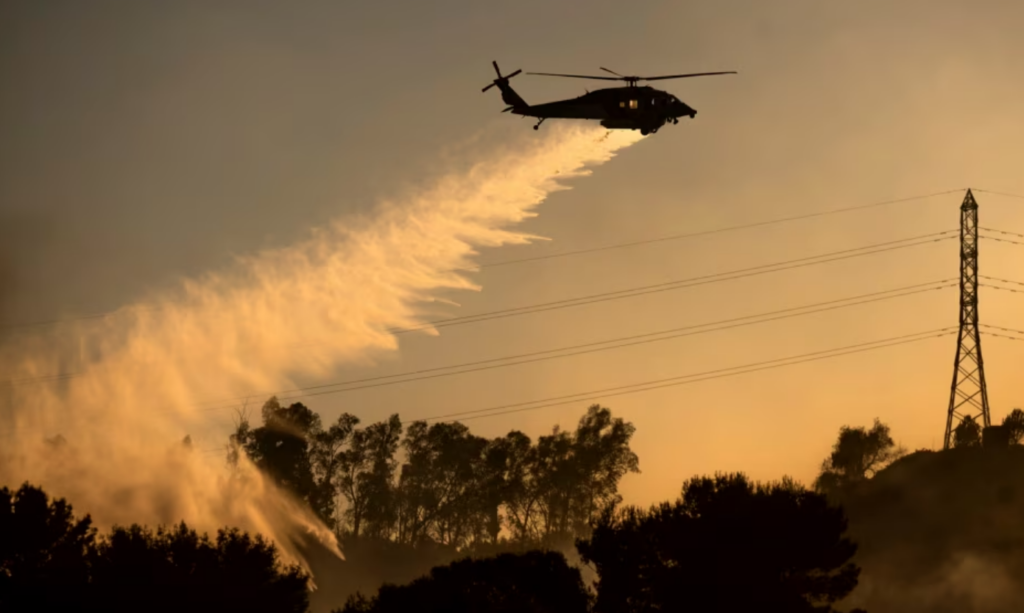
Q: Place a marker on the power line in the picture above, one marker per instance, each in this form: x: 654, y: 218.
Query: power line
x: 997, y: 335
x: 581, y: 251
x: 1001, y: 232
x: 685, y: 379
x: 987, y: 191
x: 1000, y: 240
x: 715, y: 230
x: 822, y: 258
x: 1015, y: 331
x: 694, y: 377
x: 1000, y: 280
x: 593, y: 347
x: 1005, y: 289
x: 685, y: 283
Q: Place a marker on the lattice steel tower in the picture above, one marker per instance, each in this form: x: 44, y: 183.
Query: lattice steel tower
x: 968, y: 396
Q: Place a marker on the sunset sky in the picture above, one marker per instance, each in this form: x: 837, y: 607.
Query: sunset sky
x: 142, y: 142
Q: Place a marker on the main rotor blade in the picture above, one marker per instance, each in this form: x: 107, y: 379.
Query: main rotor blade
x: 576, y: 76
x: 496, y: 68
x: 509, y: 76
x: 683, y: 76
x: 611, y: 71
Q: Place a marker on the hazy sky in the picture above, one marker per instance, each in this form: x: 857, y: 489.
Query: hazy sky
x: 144, y: 141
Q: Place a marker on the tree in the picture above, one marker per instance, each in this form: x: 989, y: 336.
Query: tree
x: 366, y: 479
x: 857, y: 455
x: 1014, y: 424
x: 521, y: 493
x: 327, y: 458
x: 967, y: 433
x: 440, y: 489
x: 725, y: 545
x: 43, y: 552
x: 578, y: 474
x: 281, y: 450
x: 603, y: 456
x: 534, y: 582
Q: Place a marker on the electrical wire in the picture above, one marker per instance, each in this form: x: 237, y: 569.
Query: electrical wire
x: 1000, y: 240
x: 693, y: 378
x: 997, y: 335
x: 668, y: 286
x: 7, y: 327
x: 683, y: 379
x: 1000, y: 280
x: 685, y: 283
x: 592, y: 347
x: 1015, y: 331
x: 1001, y: 232
x: 988, y: 191
x: 715, y: 230
x: 1005, y: 289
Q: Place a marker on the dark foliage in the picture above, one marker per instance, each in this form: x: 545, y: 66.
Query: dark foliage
x: 533, y: 582
x: 967, y: 433
x: 1014, y: 423
x: 42, y: 545
x: 725, y: 545
x: 453, y: 489
x: 190, y: 572
x: 50, y: 561
x: 857, y: 455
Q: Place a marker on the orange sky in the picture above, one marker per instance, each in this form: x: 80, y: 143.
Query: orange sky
x: 148, y: 143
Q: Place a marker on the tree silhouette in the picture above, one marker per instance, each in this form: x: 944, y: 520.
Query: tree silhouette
x: 42, y: 547
x: 1014, y: 424
x: 179, y: 570
x: 51, y: 561
x: 534, y: 582
x: 281, y: 449
x: 366, y: 478
x: 967, y: 433
x: 725, y: 545
x: 577, y: 475
x: 440, y: 489
x: 857, y: 454
x: 521, y: 491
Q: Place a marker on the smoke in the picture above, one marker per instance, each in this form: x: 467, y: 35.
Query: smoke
x: 963, y: 582
x: 140, y: 374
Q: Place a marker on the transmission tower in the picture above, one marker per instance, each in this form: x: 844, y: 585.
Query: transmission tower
x: 968, y: 396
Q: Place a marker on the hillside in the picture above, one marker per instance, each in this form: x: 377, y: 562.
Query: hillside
x: 942, y: 531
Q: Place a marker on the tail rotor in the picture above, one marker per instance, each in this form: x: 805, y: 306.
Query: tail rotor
x: 501, y: 80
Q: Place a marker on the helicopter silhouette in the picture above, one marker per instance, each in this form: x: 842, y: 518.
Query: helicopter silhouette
x: 631, y: 107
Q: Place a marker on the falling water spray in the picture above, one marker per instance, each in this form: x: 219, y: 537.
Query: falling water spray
x: 137, y: 376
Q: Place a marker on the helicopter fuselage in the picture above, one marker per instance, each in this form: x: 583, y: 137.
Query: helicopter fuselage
x: 629, y: 108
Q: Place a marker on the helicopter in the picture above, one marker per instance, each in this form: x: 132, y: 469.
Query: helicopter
x: 631, y: 107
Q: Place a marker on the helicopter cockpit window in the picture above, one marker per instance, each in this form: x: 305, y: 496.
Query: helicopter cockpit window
x: 633, y: 104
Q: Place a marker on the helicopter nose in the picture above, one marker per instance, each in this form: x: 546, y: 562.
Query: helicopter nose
x: 683, y: 109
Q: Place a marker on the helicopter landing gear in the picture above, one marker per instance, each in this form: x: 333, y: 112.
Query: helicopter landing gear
x: 537, y: 127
